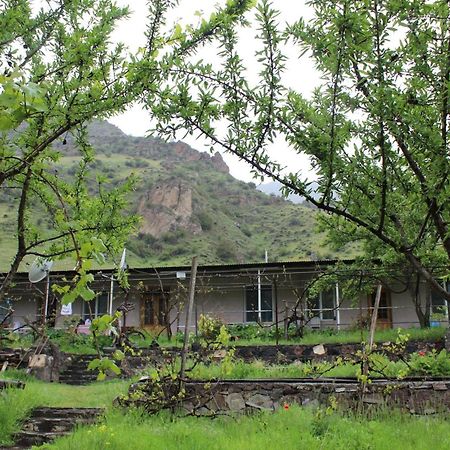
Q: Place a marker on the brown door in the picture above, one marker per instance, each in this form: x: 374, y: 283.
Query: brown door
x: 153, y: 311
x: 384, y: 318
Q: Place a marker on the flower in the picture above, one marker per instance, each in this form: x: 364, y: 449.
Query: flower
x: 421, y: 353
x: 286, y: 406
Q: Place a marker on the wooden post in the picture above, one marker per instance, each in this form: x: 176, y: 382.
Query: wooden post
x: 286, y: 321
x: 188, y: 315
x: 373, y: 326
x: 373, y: 323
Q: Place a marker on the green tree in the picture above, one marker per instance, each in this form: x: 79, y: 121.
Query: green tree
x: 59, y: 71
x: 376, y: 130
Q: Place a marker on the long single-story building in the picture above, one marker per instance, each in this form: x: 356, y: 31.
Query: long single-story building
x: 236, y: 293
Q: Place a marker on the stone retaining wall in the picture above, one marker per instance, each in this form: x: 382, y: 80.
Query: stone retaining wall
x: 417, y: 397
x: 290, y: 353
x: 283, y: 354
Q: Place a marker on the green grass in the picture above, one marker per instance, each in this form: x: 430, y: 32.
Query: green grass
x: 240, y: 370
x: 347, y: 337
x: 72, y: 343
x: 15, y: 404
x: 295, y: 428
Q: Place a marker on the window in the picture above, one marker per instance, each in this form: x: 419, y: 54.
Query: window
x: 99, y: 306
x: 324, y: 305
x: 439, y: 304
x: 251, y: 303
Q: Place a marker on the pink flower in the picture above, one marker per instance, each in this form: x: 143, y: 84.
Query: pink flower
x: 421, y: 353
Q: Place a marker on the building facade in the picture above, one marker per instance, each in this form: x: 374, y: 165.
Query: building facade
x: 245, y: 293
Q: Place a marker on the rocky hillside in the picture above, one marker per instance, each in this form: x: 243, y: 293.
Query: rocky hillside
x: 190, y: 204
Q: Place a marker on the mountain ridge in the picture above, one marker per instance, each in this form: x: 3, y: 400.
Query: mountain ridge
x: 190, y: 204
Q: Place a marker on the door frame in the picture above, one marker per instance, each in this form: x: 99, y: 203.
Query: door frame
x: 153, y: 294
x: 382, y: 323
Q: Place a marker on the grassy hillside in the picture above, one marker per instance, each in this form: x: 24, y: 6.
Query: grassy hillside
x: 222, y: 220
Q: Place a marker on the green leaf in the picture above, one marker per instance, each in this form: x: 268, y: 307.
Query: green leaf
x: 94, y: 364
x: 101, y: 376
x: 6, y: 123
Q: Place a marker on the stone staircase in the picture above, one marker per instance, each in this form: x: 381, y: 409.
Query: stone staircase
x: 46, y: 424
x: 77, y: 372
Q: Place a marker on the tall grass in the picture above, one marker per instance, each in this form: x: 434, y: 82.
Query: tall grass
x: 295, y: 428
x: 240, y: 370
x: 15, y: 404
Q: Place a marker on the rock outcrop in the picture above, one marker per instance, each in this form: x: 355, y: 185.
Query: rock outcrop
x: 166, y: 207
x: 185, y: 152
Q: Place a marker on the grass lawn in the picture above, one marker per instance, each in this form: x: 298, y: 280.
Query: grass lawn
x: 16, y: 403
x: 295, y: 428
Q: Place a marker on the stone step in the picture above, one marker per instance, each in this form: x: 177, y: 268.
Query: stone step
x: 77, y: 382
x: 4, y: 384
x: 78, y: 373
x: 53, y: 425
x: 85, y: 379
x: 29, y: 438
x: 46, y: 424
x: 73, y: 413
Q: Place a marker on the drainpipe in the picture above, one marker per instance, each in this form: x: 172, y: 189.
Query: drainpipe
x: 111, y: 293
x: 338, y: 312
x: 259, y: 296
x: 47, y: 294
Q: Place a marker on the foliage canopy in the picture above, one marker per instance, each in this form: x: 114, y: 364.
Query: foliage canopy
x: 376, y: 130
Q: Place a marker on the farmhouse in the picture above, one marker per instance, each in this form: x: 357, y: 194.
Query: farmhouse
x: 238, y: 293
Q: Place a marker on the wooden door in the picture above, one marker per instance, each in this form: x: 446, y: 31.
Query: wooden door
x: 153, y: 311
x: 384, y: 319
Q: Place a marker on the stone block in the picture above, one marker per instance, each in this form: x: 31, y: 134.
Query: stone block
x: 39, y: 361
x: 373, y: 399
x: 277, y: 394
x: 319, y: 350
x: 235, y: 402
x: 259, y: 401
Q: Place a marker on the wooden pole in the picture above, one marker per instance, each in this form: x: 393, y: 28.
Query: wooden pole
x: 286, y: 319
x: 188, y: 315
x: 373, y: 323
x: 373, y: 326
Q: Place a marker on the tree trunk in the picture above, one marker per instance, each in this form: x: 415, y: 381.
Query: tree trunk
x: 423, y: 316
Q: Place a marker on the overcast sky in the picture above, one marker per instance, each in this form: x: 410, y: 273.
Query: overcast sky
x: 300, y: 74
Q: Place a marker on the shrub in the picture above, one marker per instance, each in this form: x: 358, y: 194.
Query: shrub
x: 224, y: 250
x: 432, y: 363
x: 206, y: 222
x: 209, y: 327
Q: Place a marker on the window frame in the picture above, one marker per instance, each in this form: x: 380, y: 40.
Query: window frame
x: 318, y: 301
x: 254, y: 288
x: 95, y: 306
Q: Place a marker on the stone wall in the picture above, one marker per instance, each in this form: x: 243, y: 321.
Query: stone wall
x: 283, y: 354
x: 417, y: 397
x: 290, y: 353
